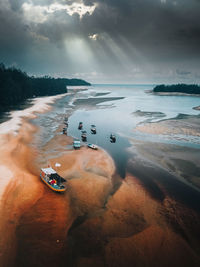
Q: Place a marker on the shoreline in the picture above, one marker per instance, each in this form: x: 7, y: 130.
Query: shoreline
x: 39, y: 105
x: 171, y: 93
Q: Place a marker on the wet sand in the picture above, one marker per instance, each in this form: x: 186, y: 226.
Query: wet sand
x: 188, y: 127
x: 94, y: 101
x: 186, y: 166
x: 101, y: 220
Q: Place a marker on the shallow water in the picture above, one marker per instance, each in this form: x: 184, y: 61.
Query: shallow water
x: 118, y: 117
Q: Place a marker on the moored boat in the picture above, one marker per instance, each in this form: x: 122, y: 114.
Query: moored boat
x: 112, y: 138
x: 93, y: 129
x: 84, y: 136
x: 80, y: 126
x: 76, y: 144
x: 66, y: 122
x: 52, y: 179
x: 92, y: 146
x: 64, y: 130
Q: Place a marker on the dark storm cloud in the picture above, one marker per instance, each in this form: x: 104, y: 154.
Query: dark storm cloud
x: 161, y: 33
x: 150, y: 23
x: 14, y: 34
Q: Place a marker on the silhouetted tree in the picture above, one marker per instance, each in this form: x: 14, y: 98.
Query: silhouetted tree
x: 178, y: 88
x: 16, y: 86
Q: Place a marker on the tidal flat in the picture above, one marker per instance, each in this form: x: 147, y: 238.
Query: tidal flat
x: 133, y: 202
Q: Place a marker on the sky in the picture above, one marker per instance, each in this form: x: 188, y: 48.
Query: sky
x: 103, y: 41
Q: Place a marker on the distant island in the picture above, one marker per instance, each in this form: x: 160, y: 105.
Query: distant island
x: 16, y: 86
x: 191, y: 89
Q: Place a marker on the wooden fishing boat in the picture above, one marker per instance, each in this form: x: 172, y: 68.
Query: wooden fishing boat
x: 53, y: 180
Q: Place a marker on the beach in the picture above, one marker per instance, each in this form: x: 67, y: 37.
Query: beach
x: 145, y: 218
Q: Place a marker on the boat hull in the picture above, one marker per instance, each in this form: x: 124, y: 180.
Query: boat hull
x: 52, y: 188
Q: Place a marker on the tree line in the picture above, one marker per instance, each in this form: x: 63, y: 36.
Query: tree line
x: 16, y: 86
x: 178, y: 88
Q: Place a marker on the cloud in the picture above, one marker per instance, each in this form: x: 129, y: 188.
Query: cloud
x: 116, y: 37
x: 39, y: 13
x: 93, y: 36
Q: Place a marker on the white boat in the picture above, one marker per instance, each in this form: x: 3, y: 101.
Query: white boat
x: 92, y: 146
x: 76, y: 144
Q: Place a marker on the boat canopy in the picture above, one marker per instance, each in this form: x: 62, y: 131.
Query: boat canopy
x: 48, y: 170
x: 77, y: 142
x: 57, y: 177
x: 53, y: 174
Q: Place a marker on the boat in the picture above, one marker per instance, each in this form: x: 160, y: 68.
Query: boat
x: 64, y: 130
x: 76, y: 144
x: 93, y: 129
x: 80, y: 126
x: 84, y: 136
x: 53, y: 180
x: 92, y: 146
x: 66, y: 121
x: 112, y: 138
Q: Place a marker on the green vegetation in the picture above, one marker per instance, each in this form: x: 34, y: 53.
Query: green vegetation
x: 177, y: 88
x: 16, y: 86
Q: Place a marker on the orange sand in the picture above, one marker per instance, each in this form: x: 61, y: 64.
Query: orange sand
x: 95, y: 222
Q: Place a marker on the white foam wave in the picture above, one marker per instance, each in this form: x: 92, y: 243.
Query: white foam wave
x: 40, y: 105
